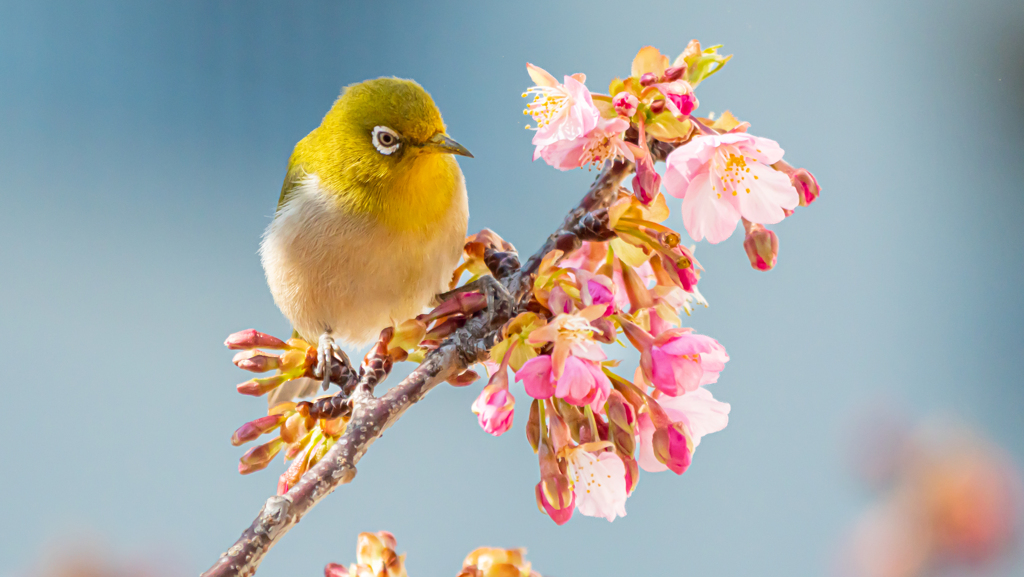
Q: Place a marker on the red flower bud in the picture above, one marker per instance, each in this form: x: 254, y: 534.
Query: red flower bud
x: 251, y: 338
x: 674, y: 73
x: 262, y: 454
x: 256, y: 361
x: 762, y: 246
x: 673, y: 447
x: 658, y: 106
x: 253, y: 429
x: 648, y: 79
x: 259, y: 387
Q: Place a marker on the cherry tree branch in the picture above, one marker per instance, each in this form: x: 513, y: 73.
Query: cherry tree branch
x: 371, y: 416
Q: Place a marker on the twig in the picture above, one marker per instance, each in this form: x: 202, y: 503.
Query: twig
x: 372, y: 416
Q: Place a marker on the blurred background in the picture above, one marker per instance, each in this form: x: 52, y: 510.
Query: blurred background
x: 142, y: 149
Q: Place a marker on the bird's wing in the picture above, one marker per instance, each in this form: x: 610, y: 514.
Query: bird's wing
x: 291, y: 181
x: 302, y: 387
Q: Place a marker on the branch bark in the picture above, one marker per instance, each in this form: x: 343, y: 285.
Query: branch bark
x: 371, y: 416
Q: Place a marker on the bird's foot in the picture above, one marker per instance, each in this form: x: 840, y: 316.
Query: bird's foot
x: 499, y: 300
x: 332, y: 364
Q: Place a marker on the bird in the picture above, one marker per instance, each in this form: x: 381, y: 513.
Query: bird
x: 370, y: 224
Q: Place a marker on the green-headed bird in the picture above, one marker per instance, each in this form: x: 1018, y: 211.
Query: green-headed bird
x: 371, y: 220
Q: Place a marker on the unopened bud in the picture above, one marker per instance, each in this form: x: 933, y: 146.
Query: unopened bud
x: 259, y: 387
x: 648, y: 79
x: 672, y: 447
x: 556, y: 499
x: 294, y: 428
x: 251, y: 339
x: 253, y: 429
x: 449, y: 326
x: 625, y: 104
x: 408, y: 334
x: 335, y: 570
x: 262, y: 454
x: 606, y: 332
x: 806, y: 185
x: 762, y: 246
x: 674, y: 73
x: 464, y: 378
x: 658, y: 106
x: 333, y: 428
x: 465, y: 303
x: 802, y: 180
x: 256, y: 361
x: 533, y: 425
x: 639, y: 296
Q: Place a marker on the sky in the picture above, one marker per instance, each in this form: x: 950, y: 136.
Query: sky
x: 142, y: 151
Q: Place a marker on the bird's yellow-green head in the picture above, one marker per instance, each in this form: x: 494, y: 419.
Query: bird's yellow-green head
x: 382, y: 150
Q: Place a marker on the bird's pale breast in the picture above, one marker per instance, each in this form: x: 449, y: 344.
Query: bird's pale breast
x: 332, y: 270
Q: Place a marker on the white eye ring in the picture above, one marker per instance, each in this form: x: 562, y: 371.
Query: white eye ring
x: 385, y: 140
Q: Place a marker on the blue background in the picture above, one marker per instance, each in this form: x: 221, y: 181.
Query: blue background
x: 141, y: 154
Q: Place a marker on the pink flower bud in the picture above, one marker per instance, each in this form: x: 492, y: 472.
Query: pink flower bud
x: 253, y: 429
x: 262, y: 454
x: 762, y: 246
x: 658, y: 106
x: 684, y: 103
x: 556, y: 500
x: 647, y: 181
x: 673, y: 447
x: 606, y: 332
x: 260, y: 387
x: 335, y: 570
x: 674, y: 73
x: 648, y: 79
x: 251, y: 338
x: 494, y: 408
x: 803, y: 181
x: 806, y: 185
x: 256, y: 361
x: 625, y: 104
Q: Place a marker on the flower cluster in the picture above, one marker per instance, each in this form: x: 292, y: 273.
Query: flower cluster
x: 376, y: 557
x: 624, y: 277
x: 592, y: 429
x: 721, y: 173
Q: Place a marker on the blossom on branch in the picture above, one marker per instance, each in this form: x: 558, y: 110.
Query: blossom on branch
x: 724, y: 177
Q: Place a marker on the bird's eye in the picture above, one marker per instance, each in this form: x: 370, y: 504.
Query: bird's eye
x: 385, y: 140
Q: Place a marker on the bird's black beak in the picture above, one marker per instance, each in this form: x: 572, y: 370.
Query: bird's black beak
x: 444, y: 144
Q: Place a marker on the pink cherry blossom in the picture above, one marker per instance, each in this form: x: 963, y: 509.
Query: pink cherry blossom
x: 571, y: 334
x: 599, y: 483
x: 563, y: 111
x: 677, y: 361
x: 603, y: 142
x: 582, y: 381
x: 697, y: 411
x: 727, y: 176
x: 494, y: 408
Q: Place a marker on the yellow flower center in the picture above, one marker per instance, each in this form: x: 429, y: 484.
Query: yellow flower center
x: 548, y: 104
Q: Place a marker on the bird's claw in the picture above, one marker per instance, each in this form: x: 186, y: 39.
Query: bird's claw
x: 499, y: 300
x: 327, y: 352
